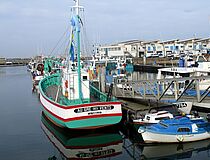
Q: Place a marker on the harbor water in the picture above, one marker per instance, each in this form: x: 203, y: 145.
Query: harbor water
x: 27, y: 134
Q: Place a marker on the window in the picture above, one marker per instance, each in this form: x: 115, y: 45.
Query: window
x: 84, y: 78
x: 183, y: 130
x: 161, y: 118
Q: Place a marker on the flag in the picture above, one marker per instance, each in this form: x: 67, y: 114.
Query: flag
x: 72, y: 51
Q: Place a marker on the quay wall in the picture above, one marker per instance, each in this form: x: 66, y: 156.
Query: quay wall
x: 14, y: 61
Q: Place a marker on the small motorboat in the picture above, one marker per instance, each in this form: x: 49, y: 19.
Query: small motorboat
x: 152, y: 118
x: 178, y: 129
x: 155, y: 114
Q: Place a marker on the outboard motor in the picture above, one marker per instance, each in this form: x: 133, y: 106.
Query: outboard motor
x: 208, y: 117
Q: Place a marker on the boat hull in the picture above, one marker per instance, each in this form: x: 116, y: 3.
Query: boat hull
x: 150, y: 137
x: 85, y: 116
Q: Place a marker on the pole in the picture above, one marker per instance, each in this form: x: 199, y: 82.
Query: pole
x: 78, y: 51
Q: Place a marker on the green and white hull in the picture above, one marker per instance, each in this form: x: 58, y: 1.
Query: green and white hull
x: 74, y: 115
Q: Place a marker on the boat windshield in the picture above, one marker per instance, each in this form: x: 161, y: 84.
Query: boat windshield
x: 183, y: 130
x: 162, y: 118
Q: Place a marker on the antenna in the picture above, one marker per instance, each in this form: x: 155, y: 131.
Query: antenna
x: 77, y: 7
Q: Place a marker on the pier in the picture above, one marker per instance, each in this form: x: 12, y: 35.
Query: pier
x: 157, y: 91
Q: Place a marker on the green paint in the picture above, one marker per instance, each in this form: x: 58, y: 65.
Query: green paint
x: 56, y: 120
x: 86, y: 122
x: 102, y: 121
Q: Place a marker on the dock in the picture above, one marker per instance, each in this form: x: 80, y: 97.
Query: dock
x: 150, y: 94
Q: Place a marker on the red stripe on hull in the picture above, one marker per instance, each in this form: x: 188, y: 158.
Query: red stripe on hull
x: 80, y: 105
x: 81, y: 117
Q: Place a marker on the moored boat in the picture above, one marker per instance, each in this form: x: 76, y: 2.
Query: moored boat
x: 69, y: 99
x: 178, y: 129
x: 156, y: 114
x: 37, y: 75
x: 153, y: 118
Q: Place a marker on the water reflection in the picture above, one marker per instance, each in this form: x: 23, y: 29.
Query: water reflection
x: 178, y: 151
x: 92, y: 144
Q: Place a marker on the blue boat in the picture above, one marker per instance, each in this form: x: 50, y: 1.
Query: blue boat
x: 178, y: 129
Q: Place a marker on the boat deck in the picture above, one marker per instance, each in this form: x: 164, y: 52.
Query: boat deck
x: 54, y: 92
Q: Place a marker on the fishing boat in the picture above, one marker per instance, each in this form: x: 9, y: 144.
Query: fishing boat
x: 82, y: 145
x: 178, y: 129
x: 37, y: 75
x: 69, y: 99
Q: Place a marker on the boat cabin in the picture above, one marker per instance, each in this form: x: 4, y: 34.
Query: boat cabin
x: 70, y: 84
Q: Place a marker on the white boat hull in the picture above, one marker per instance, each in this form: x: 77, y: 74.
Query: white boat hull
x: 150, y: 137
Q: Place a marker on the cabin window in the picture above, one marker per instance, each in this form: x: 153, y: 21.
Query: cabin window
x: 85, y: 78
x: 183, y: 130
x: 148, y: 118
x: 161, y: 118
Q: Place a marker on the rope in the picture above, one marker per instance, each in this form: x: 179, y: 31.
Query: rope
x: 59, y: 40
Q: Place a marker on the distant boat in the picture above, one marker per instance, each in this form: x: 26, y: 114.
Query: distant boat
x: 176, y: 130
x: 69, y: 99
x: 82, y: 145
x: 37, y: 75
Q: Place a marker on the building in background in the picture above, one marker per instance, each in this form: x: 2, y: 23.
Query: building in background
x: 156, y: 48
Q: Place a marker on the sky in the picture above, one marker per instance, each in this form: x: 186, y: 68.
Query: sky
x: 30, y: 27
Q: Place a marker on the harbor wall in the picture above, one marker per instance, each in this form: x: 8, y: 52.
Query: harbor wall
x: 14, y: 61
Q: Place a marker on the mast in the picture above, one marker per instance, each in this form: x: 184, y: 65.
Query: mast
x: 77, y: 9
